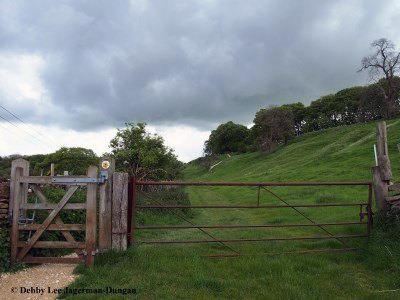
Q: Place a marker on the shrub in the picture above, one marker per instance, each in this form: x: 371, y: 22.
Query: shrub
x: 4, y: 248
x: 163, y: 195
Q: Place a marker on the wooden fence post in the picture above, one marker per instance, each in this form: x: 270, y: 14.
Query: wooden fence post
x: 380, y: 190
x: 18, y: 196
x: 20, y: 166
x: 105, y: 205
x: 91, y: 217
x: 382, y: 174
x: 120, y: 211
x: 383, y: 153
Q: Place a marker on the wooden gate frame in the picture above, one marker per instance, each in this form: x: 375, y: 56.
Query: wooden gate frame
x: 20, y: 180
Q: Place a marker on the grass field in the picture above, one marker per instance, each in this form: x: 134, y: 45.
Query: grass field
x: 183, y: 272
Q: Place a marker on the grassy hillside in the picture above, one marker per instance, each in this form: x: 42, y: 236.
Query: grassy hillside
x: 341, y: 153
x: 182, y: 272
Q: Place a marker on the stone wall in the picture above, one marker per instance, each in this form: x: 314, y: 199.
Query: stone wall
x: 4, y: 226
x: 4, y: 200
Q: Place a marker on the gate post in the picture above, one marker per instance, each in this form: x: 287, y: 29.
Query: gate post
x: 120, y: 211
x: 18, y: 196
x: 91, y: 217
x: 105, y: 206
x: 19, y: 167
x: 381, y: 174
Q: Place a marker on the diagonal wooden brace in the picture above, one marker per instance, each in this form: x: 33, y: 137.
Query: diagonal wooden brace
x: 68, y: 236
x: 47, y: 222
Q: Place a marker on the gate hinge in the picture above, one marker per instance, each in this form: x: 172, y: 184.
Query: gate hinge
x: 103, y: 176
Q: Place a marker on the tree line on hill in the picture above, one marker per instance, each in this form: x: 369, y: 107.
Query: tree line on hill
x: 273, y: 126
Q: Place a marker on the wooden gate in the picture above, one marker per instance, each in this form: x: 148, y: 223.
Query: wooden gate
x: 20, y: 181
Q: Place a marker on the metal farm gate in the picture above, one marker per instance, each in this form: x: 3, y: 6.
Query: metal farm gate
x: 362, y: 213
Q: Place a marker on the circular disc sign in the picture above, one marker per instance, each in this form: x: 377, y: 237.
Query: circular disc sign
x: 105, y: 164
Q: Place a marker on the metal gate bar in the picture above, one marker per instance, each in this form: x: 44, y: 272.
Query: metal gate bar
x: 134, y: 191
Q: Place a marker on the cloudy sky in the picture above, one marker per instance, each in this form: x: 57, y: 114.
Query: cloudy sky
x: 74, y: 71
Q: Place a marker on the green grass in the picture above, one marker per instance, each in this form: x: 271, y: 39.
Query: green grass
x: 183, y: 271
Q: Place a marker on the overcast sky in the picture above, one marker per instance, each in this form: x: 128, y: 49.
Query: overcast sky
x: 74, y: 71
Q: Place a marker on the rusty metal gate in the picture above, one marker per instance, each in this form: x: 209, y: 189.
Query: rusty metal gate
x: 362, y: 213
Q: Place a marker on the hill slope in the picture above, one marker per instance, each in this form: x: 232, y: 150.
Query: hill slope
x: 337, y: 154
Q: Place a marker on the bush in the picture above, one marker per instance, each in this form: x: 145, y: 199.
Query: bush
x: 4, y: 248
x: 163, y: 195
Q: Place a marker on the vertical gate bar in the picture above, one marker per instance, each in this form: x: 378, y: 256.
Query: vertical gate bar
x: 91, y: 217
x: 369, y: 209
x: 133, y: 196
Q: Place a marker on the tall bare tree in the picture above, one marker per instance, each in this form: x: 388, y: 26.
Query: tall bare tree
x: 384, y: 64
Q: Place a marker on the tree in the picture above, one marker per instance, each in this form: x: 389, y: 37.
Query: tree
x: 143, y: 154
x: 371, y: 105
x: 299, y: 113
x: 227, y: 138
x: 384, y: 63
x: 348, y: 101
x: 75, y: 160
x: 272, y: 126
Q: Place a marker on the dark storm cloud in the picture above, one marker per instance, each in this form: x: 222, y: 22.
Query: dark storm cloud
x: 189, y: 62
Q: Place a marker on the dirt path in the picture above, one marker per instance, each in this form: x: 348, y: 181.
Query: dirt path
x: 35, y: 282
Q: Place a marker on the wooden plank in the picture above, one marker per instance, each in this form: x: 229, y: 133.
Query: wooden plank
x: 36, y: 179
x: 47, y: 222
x: 49, y: 206
x: 380, y: 190
x: 120, y: 212
x: 3, y: 211
x: 393, y: 198
x: 105, y: 206
x: 47, y: 180
x: 54, y: 260
x: 54, y: 227
x: 91, y: 217
x: 394, y: 187
x: 53, y: 244
x: 3, y: 205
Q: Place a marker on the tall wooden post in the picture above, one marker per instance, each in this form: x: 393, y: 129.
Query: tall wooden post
x: 380, y: 190
x: 91, y: 217
x: 20, y: 166
x: 18, y: 196
x: 105, y: 205
x: 383, y: 153
x: 120, y: 211
x: 382, y: 174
